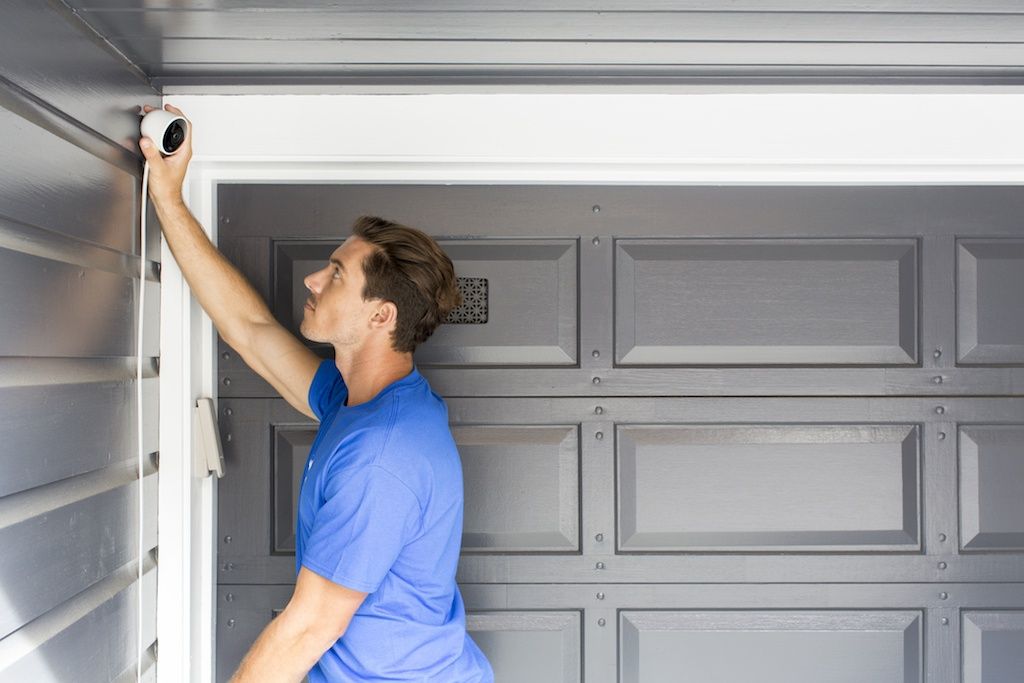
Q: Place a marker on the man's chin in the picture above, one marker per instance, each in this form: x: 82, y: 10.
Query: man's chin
x: 305, y: 334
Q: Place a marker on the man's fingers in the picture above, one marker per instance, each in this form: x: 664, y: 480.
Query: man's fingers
x: 149, y: 150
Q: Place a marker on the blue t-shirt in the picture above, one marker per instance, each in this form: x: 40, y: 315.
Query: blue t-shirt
x: 380, y: 511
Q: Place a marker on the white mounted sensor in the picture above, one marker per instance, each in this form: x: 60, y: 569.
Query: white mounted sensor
x: 208, y: 455
x: 166, y: 130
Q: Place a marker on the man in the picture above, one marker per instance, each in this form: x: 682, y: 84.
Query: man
x: 380, y: 506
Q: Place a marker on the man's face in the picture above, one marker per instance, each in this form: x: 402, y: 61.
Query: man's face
x: 335, y: 311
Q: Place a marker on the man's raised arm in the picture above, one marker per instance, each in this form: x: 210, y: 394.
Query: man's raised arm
x: 241, y: 317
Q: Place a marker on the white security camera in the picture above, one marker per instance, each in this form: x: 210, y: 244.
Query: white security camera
x: 165, y: 129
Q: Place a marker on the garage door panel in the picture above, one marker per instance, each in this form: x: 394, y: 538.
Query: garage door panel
x: 768, y: 487
x: 990, y: 310
x: 291, y: 450
x: 246, y: 498
x: 528, y: 643
x: 794, y: 407
x: 530, y: 281
x: 521, y: 484
x: 535, y: 646
x: 993, y: 645
x: 991, y: 472
x: 521, y: 487
x: 807, y: 301
x: 503, y: 282
x: 771, y: 647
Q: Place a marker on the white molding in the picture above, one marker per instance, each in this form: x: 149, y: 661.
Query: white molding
x: 720, y: 137
x: 186, y: 574
x: 471, y: 138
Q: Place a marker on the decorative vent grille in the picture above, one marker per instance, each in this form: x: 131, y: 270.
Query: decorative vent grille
x: 473, y: 310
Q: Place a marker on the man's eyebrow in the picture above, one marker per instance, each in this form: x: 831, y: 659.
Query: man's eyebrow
x: 338, y: 263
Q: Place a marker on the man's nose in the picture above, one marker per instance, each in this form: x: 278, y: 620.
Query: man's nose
x: 312, y: 281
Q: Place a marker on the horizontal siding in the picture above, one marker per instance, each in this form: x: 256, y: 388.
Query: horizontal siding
x: 49, y: 183
x: 69, y: 290
x: 97, y: 429
x: 954, y: 6
x: 54, y: 309
x: 157, y: 55
x: 68, y: 548
x: 299, y: 23
x: 89, y: 83
x: 84, y: 640
x: 229, y: 42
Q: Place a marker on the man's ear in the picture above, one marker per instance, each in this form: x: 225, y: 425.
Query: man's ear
x: 386, y: 313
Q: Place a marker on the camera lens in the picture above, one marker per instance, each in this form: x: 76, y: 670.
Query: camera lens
x: 174, y: 136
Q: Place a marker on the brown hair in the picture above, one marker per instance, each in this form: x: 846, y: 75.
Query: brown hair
x: 409, y: 269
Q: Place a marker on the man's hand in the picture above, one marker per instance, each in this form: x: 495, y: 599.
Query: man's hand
x: 167, y: 174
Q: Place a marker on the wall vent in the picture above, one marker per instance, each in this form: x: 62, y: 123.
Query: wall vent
x: 473, y: 310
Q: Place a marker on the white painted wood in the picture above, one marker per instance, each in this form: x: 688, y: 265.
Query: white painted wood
x: 185, y: 593
x: 714, y: 138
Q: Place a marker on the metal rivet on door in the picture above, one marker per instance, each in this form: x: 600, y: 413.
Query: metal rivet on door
x: 599, y: 436
x: 598, y: 410
x: 601, y: 622
x: 596, y: 380
x: 940, y: 410
x: 598, y: 537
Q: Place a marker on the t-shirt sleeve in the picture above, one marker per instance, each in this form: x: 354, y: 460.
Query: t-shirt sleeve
x: 367, y: 518
x: 326, y: 389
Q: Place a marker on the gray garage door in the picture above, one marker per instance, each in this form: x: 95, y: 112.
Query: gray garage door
x: 727, y: 434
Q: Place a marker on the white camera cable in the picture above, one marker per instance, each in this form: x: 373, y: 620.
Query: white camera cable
x: 166, y: 131
x: 139, y: 411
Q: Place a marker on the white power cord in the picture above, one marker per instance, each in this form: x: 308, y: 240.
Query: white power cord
x: 139, y: 412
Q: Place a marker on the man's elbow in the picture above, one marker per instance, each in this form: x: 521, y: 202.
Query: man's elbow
x: 314, y: 632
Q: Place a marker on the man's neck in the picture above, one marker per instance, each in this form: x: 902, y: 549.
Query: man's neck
x: 366, y: 375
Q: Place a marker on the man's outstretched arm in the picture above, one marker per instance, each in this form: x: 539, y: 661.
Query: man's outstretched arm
x: 316, y: 616
x: 240, y: 315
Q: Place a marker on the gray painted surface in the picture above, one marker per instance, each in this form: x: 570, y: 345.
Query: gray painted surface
x: 771, y: 647
x: 234, y: 42
x: 747, y: 470
x: 69, y: 288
